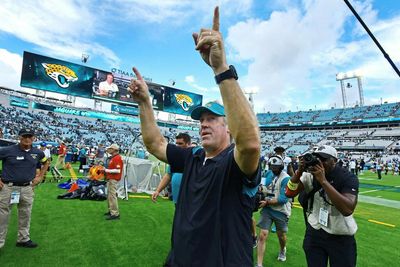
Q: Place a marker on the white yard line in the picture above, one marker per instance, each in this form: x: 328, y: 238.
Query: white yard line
x: 369, y: 191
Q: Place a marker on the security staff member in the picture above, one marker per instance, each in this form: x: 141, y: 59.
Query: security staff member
x: 21, y: 163
x: 329, y: 197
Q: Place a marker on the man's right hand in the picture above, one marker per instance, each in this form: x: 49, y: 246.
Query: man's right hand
x: 138, y: 88
x: 301, y: 166
x: 154, y: 196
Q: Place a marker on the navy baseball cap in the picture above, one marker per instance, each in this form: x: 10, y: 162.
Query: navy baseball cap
x: 212, y: 107
x: 43, y: 144
x: 279, y: 148
x: 26, y: 131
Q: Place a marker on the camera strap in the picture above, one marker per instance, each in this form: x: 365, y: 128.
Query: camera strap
x: 306, y: 198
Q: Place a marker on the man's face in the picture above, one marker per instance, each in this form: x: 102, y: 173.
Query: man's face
x: 328, y: 163
x: 213, y: 130
x: 276, y: 170
x: 181, y: 143
x: 110, y: 78
x: 111, y: 151
x: 26, y: 140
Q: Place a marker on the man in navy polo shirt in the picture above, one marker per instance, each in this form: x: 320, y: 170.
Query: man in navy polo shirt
x: 21, y: 164
x: 182, y: 140
x: 212, y: 222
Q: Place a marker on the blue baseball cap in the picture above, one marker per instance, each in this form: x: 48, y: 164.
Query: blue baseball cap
x: 212, y: 107
x: 43, y: 144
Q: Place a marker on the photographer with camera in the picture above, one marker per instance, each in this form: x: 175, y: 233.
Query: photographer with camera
x: 328, y: 194
x: 276, y: 207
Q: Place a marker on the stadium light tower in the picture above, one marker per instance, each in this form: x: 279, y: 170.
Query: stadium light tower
x: 85, y: 58
x: 342, y: 76
x: 251, y: 91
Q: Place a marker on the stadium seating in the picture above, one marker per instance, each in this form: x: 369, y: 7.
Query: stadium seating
x: 55, y: 127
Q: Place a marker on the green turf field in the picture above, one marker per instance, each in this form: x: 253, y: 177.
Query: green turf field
x: 388, y: 187
x: 74, y: 233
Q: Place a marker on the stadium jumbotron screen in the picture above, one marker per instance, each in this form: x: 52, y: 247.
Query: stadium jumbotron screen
x: 110, y: 88
x: 54, y: 75
x: 58, y: 76
x: 181, y: 102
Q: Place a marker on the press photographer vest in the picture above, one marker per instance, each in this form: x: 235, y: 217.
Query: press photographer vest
x: 337, y: 223
x: 274, y: 188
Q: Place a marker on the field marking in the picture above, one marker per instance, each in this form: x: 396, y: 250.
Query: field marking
x: 367, y: 179
x: 140, y: 196
x: 382, y: 223
x: 369, y: 191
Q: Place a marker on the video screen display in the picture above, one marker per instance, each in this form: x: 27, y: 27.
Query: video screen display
x: 54, y: 75
x: 112, y: 88
x: 58, y: 76
x: 181, y: 102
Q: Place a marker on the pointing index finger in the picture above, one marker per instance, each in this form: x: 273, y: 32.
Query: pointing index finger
x: 215, y: 26
x: 137, y: 73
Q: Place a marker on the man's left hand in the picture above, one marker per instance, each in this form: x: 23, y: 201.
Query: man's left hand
x: 211, y: 47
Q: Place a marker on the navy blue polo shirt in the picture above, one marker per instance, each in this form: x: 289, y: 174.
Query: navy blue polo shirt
x: 19, y: 166
x: 212, y: 222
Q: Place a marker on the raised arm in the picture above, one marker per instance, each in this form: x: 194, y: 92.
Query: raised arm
x: 152, y: 137
x: 241, y: 119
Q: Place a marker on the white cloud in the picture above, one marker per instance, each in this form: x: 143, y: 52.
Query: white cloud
x: 10, y: 66
x: 58, y: 28
x: 280, y: 51
x: 295, y: 53
x: 191, y: 81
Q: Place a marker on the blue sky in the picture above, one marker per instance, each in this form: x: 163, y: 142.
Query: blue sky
x: 288, y: 51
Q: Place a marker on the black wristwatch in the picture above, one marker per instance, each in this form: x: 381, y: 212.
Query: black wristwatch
x: 229, y: 74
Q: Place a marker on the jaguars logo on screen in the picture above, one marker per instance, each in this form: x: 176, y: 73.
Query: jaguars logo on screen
x: 184, y: 101
x: 61, y: 74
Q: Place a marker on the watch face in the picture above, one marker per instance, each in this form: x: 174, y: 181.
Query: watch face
x: 232, y: 68
x: 231, y: 73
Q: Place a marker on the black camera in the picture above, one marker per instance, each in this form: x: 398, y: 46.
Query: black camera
x: 310, y: 160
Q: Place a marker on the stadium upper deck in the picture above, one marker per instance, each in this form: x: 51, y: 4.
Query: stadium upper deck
x: 375, y: 114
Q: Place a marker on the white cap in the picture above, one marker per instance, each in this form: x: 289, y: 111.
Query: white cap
x: 113, y: 146
x: 326, y: 151
x: 275, y: 161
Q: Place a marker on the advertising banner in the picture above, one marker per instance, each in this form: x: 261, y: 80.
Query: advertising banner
x: 85, y: 113
x: 125, y: 110
x: 19, y: 102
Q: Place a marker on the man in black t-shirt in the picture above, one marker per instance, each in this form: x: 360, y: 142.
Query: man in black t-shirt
x: 212, y: 220
x: 329, y: 197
